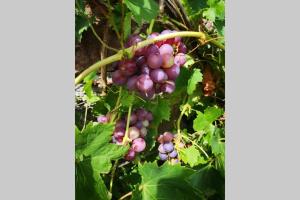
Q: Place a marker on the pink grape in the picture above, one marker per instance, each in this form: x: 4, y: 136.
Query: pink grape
x: 118, y: 78
x: 168, y: 60
x: 149, y: 94
x: 127, y: 67
x: 153, y: 35
x: 168, y: 87
x: 166, y: 49
x: 119, y: 133
x: 173, y: 72
x: 141, y: 114
x: 131, y: 83
x: 144, y: 83
x: 161, y: 148
x: 133, y: 133
x: 180, y: 59
x: 154, y: 61
x: 163, y: 156
x: 168, y: 41
x: 130, y: 155
x: 102, y: 119
x: 138, y: 145
x: 158, y: 76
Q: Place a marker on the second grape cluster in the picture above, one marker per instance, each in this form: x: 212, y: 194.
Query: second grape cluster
x: 154, y: 68
x: 166, y: 148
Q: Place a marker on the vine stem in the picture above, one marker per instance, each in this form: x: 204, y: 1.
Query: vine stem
x: 130, y: 51
x: 112, y: 175
x: 126, y: 195
x: 125, y: 138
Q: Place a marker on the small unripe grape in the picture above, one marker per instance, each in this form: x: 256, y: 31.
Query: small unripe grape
x: 102, y: 119
x: 163, y: 156
x: 130, y: 155
x: 173, y: 154
x: 138, y: 145
x: 143, y: 132
x: 133, y: 133
x: 168, y: 146
x: 145, y: 123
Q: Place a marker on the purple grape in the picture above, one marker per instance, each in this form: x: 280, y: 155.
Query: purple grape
x: 145, y: 69
x: 138, y: 145
x: 130, y: 155
x: 141, y: 114
x: 119, y: 133
x: 168, y: 87
x: 133, y: 40
x: 180, y: 59
x: 143, y: 132
x: 118, y: 78
x: 140, y: 61
x: 120, y: 124
x: 182, y: 48
x: 168, y: 147
x: 173, y: 154
x: 158, y: 76
x: 154, y: 35
x: 145, y: 123
x: 149, y: 94
x: 133, y: 133
x: 161, y: 148
x: 154, y: 61
x: 144, y: 83
x: 133, y: 118
x: 127, y: 67
x: 166, y: 49
x: 139, y: 124
x: 149, y: 116
x: 173, y: 72
x: 152, y: 49
x: 163, y: 156
x: 131, y: 83
x: 168, y: 60
x: 102, y: 119
x: 168, y: 137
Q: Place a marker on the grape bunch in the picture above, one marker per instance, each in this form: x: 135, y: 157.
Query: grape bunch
x: 166, y: 148
x: 139, y: 121
x: 154, y: 68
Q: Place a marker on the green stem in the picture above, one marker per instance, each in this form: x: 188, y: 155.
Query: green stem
x: 112, y: 175
x: 113, y: 116
x: 126, y: 138
x: 130, y: 51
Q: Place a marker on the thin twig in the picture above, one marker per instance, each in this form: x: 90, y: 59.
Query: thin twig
x: 125, y: 195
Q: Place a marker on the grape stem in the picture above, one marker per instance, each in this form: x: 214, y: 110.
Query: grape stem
x: 112, y: 175
x: 130, y: 51
x: 126, y: 138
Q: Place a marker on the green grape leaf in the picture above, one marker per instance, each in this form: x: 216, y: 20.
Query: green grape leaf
x: 203, y: 120
x: 217, y: 146
x: 81, y: 25
x: 193, y: 7
x: 143, y: 10
x: 192, y: 82
x: 127, y: 98
x: 161, y: 110
x: 165, y: 182
x: 210, y: 14
x: 191, y: 156
x: 207, y: 181
x: 127, y: 25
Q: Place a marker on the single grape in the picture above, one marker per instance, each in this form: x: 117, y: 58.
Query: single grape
x: 168, y: 87
x: 149, y: 116
x: 127, y: 67
x: 168, y: 60
x: 118, y: 78
x: 145, y: 123
x: 149, y: 94
x: 102, y: 119
x: 133, y: 132
x: 180, y: 59
x: 141, y: 114
x: 144, y: 69
x: 139, y: 124
x: 161, y: 148
x: 131, y: 83
x: 144, y: 83
x: 173, y: 154
x: 140, y: 60
x: 120, y: 124
x: 166, y: 49
x: 133, y: 118
x: 138, y: 145
x: 163, y: 156
x: 168, y: 137
x: 160, y: 139
x: 173, y: 72
x: 130, y: 155
x: 152, y: 49
x: 143, y: 132
x: 168, y: 147
x: 182, y: 48
x: 158, y: 76
x: 154, y: 61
